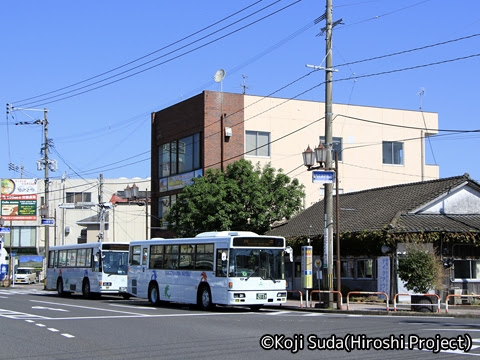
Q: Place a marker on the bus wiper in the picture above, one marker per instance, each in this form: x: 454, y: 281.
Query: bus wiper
x: 273, y: 279
x: 254, y: 271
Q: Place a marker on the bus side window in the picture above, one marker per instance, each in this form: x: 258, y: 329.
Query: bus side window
x: 145, y: 256
x: 135, y: 255
x: 222, y: 259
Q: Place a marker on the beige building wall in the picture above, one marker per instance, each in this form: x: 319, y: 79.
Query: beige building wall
x: 295, y: 124
x: 127, y: 222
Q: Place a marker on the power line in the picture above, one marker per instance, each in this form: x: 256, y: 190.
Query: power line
x: 44, y: 102
x: 142, y: 57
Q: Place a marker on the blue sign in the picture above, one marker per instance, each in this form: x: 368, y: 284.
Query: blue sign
x: 323, y: 177
x: 3, y: 271
x: 4, y: 230
x: 48, y: 221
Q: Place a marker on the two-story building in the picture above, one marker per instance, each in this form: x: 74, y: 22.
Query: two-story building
x: 375, y: 146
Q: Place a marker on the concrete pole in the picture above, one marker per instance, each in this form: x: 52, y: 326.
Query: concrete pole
x: 329, y: 142
x: 47, y: 190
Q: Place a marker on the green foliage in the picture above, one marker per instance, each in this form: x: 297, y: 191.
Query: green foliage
x: 419, y: 269
x: 241, y: 198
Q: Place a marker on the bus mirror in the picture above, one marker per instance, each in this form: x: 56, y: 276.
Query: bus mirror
x: 224, y: 256
x: 289, y: 251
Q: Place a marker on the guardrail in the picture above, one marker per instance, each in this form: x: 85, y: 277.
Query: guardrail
x: 366, y: 293
x: 457, y: 295
x: 420, y: 304
x: 339, y: 294
x: 301, y: 296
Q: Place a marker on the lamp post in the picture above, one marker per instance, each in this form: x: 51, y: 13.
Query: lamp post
x: 319, y: 156
x: 132, y: 193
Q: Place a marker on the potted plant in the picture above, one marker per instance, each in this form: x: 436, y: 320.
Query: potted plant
x: 420, y: 270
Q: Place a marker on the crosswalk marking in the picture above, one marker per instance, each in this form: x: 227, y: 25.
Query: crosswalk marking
x: 10, y: 314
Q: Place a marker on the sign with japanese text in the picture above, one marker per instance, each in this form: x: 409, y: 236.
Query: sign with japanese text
x: 383, y: 274
x: 307, y: 275
x: 323, y: 177
x: 18, y: 199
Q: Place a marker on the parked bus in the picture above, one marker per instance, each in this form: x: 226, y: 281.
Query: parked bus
x: 91, y: 269
x: 224, y: 268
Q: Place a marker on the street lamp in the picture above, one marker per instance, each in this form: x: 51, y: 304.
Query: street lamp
x: 320, y: 156
x: 133, y: 193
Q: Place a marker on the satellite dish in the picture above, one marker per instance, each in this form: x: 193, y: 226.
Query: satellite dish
x: 219, y: 75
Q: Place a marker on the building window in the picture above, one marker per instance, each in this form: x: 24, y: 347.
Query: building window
x: 466, y: 269
x: 257, y: 143
x: 23, y: 236
x: 365, y: 269
x: 347, y: 269
x: 393, y: 152
x: 164, y: 204
x: 78, y: 197
x: 337, y: 146
x: 179, y: 156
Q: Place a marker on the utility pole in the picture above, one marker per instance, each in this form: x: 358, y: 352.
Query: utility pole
x: 146, y: 215
x: 102, y: 211
x: 43, y: 164
x: 328, y: 234
x: 47, y: 185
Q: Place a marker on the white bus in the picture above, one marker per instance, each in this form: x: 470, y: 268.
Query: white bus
x: 91, y: 269
x: 224, y: 268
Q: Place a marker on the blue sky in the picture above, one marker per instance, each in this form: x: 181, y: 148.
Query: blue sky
x: 130, y: 59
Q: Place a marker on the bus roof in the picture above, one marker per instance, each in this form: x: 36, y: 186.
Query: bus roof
x: 226, y: 233
x: 107, y: 245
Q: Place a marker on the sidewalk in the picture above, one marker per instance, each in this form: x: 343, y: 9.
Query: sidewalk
x: 403, y: 309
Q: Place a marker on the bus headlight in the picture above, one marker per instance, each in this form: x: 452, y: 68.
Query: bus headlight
x: 238, y: 295
x: 107, y: 284
x: 282, y: 294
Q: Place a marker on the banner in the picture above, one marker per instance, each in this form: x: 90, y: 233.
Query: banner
x: 18, y: 199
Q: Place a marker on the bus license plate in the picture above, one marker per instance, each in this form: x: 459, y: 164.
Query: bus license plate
x: 262, y: 296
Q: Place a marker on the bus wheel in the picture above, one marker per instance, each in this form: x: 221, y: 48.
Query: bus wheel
x: 204, y: 299
x: 86, y: 289
x: 154, y: 295
x: 60, y: 291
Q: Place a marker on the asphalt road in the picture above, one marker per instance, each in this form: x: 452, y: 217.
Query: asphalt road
x: 36, y: 324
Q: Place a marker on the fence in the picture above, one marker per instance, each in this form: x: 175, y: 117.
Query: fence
x: 419, y: 304
x: 367, y: 293
x: 301, y: 296
x: 457, y: 295
x: 339, y: 296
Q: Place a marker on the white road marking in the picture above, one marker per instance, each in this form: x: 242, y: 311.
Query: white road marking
x: 48, y: 308
x: 53, y: 330
x: 133, y: 307
x: 68, y: 336
x: 88, y: 307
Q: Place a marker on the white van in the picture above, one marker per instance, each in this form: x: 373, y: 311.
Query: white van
x: 25, y: 275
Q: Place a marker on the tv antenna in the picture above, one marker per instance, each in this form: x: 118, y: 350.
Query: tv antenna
x: 244, y: 85
x: 219, y: 76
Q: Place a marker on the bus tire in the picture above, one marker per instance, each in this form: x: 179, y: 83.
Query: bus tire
x: 86, y: 293
x: 154, y: 294
x: 204, y: 298
x: 60, y: 291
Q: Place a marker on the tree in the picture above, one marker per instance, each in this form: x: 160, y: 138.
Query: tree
x: 419, y: 269
x: 241, y: 198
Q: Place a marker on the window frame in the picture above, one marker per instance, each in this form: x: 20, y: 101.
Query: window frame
x: 393, y: 153
x: 257, y: 148
x: 337, y: 146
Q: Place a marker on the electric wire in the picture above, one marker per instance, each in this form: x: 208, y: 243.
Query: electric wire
x: 144, y: 56
x: 44, y: 102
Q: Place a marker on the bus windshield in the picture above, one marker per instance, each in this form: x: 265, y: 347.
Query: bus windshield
x: 115, y: 262
x: 263, y: 263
